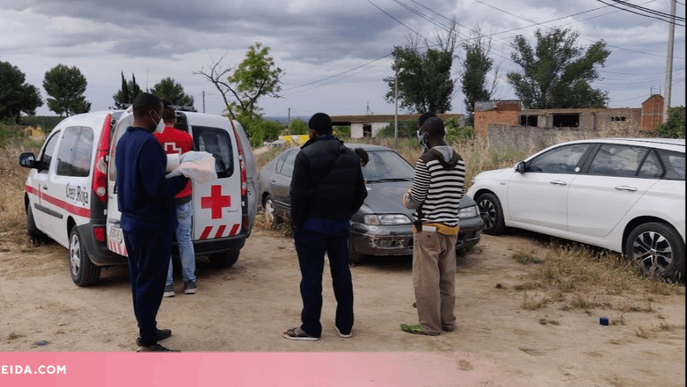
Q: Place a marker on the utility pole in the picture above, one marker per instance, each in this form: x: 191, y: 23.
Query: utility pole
x: 203, y: 101
x: 396, y: 113
x: 669, y: 65
x: 288, y: 121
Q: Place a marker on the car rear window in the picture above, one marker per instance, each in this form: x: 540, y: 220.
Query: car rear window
x: 218, y: 143
x: 675, y: 163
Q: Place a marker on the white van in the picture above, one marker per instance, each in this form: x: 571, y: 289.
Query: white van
x: 71, y: 195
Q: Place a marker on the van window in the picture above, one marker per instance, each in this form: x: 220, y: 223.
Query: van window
x: 218, y: 143
x: 48, y: 153
x: 76, y: 149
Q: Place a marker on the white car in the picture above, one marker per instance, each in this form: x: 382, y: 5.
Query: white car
x: 622, y: 194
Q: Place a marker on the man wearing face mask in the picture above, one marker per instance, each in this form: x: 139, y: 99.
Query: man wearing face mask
x: 146, y: 201
x: 437, y: 189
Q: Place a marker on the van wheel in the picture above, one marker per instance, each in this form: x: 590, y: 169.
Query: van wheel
x: 270, y: 212
x: 657, y: 249
x: 492, y: 213
x: 224, y: 259
x: 35, y: 235
x: 83, y: 271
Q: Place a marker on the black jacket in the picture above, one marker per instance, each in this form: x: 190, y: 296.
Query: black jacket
x: 327, y: 181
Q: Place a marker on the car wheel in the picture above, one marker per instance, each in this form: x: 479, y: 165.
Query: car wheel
x: 492, y: 213
x: 35, y: 235
x: 270, y: 212
x: 657, y: 249
x: 224, y: 259
x: 354, y: 257
x: 83, y: 271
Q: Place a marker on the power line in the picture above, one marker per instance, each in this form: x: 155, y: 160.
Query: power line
x: 644, y: 14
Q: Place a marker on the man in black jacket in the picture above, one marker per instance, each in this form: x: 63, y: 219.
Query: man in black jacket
x: 327, y: 188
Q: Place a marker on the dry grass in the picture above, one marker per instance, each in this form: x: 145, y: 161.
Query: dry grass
x: 526, y: 257
x: 537, y: 301
x: 12, y: 181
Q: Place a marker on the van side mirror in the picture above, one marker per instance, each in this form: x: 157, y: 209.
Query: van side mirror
x: 27, y: 160
x: 520, y: 167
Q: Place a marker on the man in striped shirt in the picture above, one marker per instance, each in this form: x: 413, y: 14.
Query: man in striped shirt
x: 437, y: 189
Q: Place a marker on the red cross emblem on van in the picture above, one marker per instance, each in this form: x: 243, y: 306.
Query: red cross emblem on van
x: 216, y: 201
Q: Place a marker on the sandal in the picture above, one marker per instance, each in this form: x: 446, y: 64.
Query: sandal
x: 417, y: 329
x: 298, y: 334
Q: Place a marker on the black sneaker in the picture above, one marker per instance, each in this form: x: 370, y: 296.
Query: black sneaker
x: 157, y: 348
x: 169, y: 291
x: 190, y: 287
x: 161, y: 334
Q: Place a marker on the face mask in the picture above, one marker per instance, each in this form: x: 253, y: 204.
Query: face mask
x: 422, y: 136
x: 160, y: 127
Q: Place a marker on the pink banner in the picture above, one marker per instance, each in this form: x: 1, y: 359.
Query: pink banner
x: 242, y: 369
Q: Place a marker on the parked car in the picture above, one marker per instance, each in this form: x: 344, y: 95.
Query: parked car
x: 71, y: 196
x: 382, y: 226
x: 625, y: 195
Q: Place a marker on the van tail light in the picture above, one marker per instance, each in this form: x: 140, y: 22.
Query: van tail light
x: 99, y: 233
x: 100, y: 171
x: 244, y: 179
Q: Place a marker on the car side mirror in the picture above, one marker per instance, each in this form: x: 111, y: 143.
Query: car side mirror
x: 520, y: 167
x: 27, y: 160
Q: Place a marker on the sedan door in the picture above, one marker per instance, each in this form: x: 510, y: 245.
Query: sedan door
x: 281, y: 182
x: 539, y: 196
x: 599, y: 199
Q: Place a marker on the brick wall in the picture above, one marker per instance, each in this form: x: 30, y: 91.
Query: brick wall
x: 652, y: 112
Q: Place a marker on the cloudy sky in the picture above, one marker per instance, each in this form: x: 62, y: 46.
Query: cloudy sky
x: 335, y: 54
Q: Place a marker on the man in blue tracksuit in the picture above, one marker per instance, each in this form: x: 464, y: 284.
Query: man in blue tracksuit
x: 146, y: 201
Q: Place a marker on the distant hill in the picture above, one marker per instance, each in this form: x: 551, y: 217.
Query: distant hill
x: 284, y: 120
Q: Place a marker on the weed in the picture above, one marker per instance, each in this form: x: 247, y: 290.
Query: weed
x: 526, y: 257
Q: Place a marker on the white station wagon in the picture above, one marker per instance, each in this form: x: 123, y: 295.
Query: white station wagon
x: 622, y: 194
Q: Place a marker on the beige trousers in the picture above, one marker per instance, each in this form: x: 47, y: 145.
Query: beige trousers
x: 434, y: 279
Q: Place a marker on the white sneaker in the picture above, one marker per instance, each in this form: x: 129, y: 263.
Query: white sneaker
x: 169, y: 291
x: 348, y: 336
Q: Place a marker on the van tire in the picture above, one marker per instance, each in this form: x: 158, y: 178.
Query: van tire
x: 224, y: 259
x: 82, y: 270
x: 36, y: 237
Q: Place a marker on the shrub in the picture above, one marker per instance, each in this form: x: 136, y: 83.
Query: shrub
x: 298, y: 127
x: 675, y: 126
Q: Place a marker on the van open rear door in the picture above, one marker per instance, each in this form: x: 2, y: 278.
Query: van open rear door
x: 218, y: 205
x: 115, y: 237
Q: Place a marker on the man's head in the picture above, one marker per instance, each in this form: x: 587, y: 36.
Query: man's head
x: 168, y: 114
x: 364, y: 157
x: 432, y: 132
x: 320, y: 124
x: 423, y: 118
x: 147, y: 111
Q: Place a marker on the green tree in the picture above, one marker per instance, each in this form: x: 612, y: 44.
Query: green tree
x: 675, y: 126
x: 424, y: 76
x: 173, y: 90
x: 476, y: 67
x: 66, y: 85
x: 127, y: 93
x: 557, y: 73
x: 298, y: 126
x: 255, y: 77
x: 16, y: 96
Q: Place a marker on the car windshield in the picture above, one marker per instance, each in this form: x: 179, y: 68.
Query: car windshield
x: 387, y: 165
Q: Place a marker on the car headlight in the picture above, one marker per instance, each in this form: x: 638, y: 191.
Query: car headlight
x: 386, y: 220
x: 468, y: 212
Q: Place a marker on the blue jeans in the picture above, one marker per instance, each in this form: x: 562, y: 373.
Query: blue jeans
x: 311, y: 246
x: 187, y: 255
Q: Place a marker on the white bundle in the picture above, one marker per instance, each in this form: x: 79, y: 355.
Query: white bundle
x: 198, y: 166
x: 172, y: 162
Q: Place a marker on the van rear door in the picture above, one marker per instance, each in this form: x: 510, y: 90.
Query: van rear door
x: 115, y: 237
x: 217, y: 204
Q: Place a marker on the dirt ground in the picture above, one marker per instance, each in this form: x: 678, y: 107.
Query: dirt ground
x: 245, y: 308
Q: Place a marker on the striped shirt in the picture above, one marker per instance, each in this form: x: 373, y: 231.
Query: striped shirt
x: 438, y: 186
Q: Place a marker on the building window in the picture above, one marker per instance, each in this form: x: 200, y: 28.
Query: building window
x: 566, y: 120
x: 618, y: 119
x: 367, y: 130
x: 529, y: 121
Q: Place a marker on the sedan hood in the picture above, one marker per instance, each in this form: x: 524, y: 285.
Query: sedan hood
x: 385, y: 198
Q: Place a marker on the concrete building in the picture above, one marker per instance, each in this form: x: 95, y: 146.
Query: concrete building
x: 509, y: 112
x: 370, y: 125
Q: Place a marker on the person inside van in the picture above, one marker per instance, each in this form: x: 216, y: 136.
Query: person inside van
x: 175, y: 141
x: 146, y: 201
